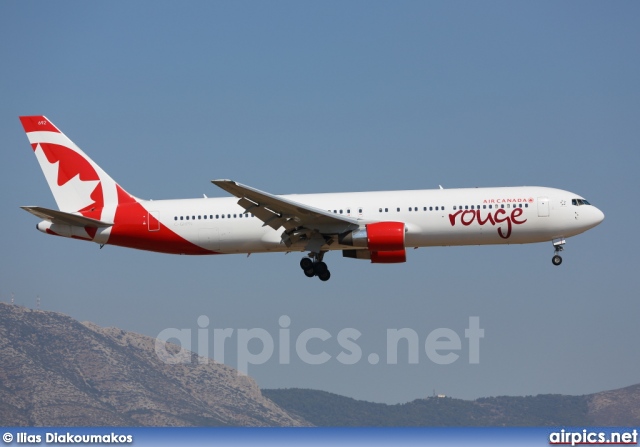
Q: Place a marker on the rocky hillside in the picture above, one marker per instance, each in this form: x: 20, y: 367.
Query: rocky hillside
x: 55, y: 371
x: 618, y: 407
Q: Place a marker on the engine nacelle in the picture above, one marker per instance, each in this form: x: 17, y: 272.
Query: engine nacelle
x: 384, y: 241
x: 388, y: 257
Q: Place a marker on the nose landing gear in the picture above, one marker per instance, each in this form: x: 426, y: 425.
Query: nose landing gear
x: 558, y: 245
x: 313, y: 266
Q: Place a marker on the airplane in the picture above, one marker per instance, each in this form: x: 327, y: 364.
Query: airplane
x: 376, y: 225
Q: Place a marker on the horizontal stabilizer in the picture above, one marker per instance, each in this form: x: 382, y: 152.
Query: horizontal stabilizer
x: 60, y: 217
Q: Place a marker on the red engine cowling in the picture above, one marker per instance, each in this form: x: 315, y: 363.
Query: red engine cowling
x: 388, y: 257
x: 384, y: 240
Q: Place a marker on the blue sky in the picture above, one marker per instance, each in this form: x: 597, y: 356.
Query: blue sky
x: 297, y: 97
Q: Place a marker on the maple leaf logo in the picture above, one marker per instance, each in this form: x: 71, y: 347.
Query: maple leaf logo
x: 73, y: 180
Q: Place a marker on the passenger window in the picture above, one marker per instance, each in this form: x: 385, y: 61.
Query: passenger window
x: 380, y: 210
x: 386, y: 210
x: 398, y: 209
x: 181, y: 218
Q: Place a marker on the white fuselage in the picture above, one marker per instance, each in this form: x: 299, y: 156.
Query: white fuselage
x: 438, y: 217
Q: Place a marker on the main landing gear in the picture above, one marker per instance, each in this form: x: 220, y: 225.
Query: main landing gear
x: 558, y: 245
x: 313, y: 266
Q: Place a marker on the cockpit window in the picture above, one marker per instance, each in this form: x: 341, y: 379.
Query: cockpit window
x: 578, y: 202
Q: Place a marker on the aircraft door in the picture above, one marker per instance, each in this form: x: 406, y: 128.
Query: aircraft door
x: 543, y: 207
x: 153, y: 222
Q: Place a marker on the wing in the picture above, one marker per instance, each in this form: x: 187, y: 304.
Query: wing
x: 308, y: 225
x: 60, y: 217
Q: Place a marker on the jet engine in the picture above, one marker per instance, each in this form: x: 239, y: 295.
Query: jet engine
x: 384, y: 243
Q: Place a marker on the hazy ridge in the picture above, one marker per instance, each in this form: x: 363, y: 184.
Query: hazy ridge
x: 609, y: 408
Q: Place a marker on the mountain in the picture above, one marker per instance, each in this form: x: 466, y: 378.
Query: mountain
x: 618, y: 407
x: 56, y: 371
x: 610, y: 408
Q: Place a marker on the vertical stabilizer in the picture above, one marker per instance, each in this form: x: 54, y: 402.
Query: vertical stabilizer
x: 78, y: 184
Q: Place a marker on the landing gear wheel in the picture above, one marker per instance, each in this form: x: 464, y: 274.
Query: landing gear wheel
x: 320, y: 267
x: 306, y: 263
x: 558, y: 246
x: 313, y: 266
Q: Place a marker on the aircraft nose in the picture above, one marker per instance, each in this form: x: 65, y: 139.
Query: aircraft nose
x: 597, y: 216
